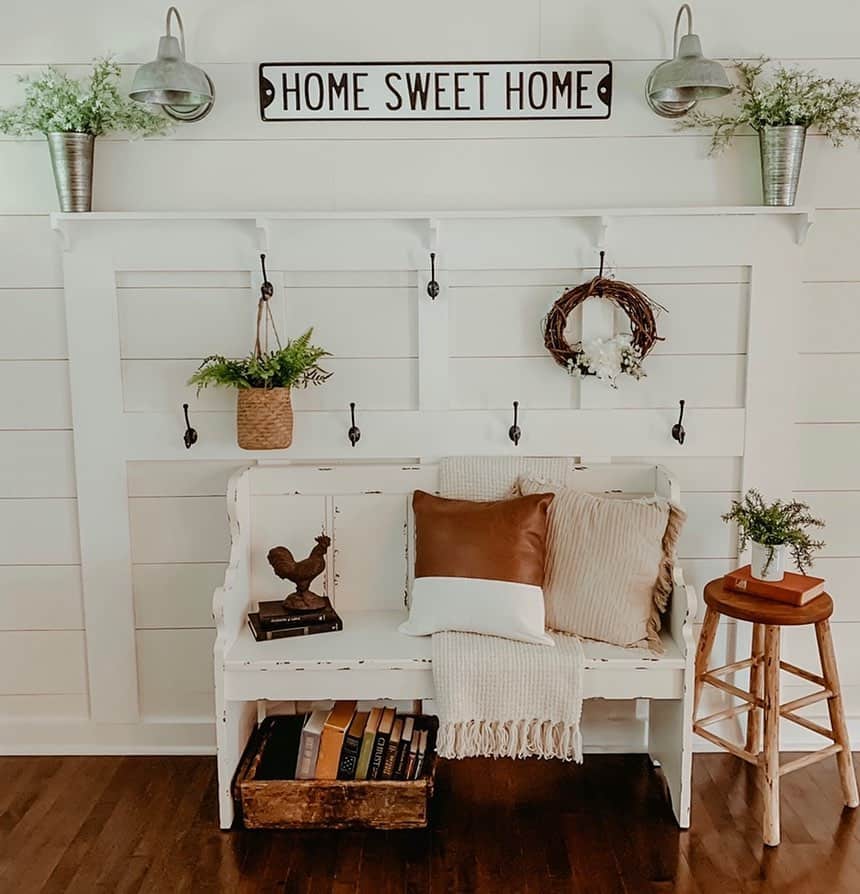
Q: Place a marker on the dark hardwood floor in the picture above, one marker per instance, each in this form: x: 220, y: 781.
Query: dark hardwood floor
x: 148, y: 824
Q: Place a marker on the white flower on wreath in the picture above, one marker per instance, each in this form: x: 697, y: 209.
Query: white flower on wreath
x: 607, y: 358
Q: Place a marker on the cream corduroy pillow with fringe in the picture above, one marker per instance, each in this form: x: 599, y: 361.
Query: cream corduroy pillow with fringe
x: 608, y: 564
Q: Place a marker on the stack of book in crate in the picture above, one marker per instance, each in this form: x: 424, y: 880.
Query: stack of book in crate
x: 344, y: 743
x: 793, y: 589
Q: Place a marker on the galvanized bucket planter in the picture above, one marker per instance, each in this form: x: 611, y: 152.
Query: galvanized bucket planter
x: 781, y: 159
x: 72, y: 160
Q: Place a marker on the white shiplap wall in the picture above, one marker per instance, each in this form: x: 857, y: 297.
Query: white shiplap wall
x: 233, y: 161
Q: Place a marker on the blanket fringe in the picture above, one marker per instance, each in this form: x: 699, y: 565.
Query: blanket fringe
x: 512, y: 738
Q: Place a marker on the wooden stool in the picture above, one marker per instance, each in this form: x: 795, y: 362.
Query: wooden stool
x: 764, y: 665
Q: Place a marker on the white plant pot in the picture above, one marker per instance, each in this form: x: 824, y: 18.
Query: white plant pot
x: 760, y: 556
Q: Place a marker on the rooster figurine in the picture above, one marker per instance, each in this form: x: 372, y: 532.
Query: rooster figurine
x: 301, y: 574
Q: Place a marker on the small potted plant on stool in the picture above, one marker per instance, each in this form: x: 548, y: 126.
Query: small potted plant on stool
x: 774, y: 529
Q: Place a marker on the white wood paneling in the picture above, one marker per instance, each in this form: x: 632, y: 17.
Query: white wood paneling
x: 721, y: 474
x: 370, y: 573
x: 502, y: 320
x: 34, y: 324
x: 828, y: 317
x: 64, y: 707
x: 829, y: 457
x: 37, y: 464
x: 178, y: 529
x: 187, y: 478
x: 492, y: 383
x: 185, y: 322
x: 40, y: 597
x: 840, y: 512
x: 323, y: 436
x: 34, y: 662
x: 37, y: 532
x: 831, y: 255
x: 705, y: 535
x: 34, y: 394
x: 175, y: 595
x: 839, y: 401
x: 175, y: 668
x: 703, y: 381
x: 156, y: 386
x: 357, y: 319
x: 28, y: 249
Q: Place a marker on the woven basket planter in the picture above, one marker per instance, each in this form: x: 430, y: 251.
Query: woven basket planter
x: 264, y: 418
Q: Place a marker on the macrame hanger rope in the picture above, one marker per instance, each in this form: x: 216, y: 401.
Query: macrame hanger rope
x: 264, y: 323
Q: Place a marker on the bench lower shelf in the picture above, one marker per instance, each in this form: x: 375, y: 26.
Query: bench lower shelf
x: 267, y: 803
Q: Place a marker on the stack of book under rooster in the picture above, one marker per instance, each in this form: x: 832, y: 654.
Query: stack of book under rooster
x: 793, y: 589
x: 274, y: 621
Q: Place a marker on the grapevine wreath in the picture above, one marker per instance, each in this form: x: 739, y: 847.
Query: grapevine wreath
x: 604, y: 358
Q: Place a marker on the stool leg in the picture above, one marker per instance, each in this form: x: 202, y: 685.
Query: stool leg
x: 703, y: 653
x: 771, y: 735
x: 830, y: 673
x: 753, y: 744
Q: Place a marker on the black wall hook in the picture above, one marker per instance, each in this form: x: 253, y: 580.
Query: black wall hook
x: 433, y: 286
x: 678, y: 432
x: 515, y: 432
x: 354, y: 433
x: 266, y: 288
x: 600, y: 273
x: 190, y: 436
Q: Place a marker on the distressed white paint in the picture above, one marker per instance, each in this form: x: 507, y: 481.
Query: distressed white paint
x: 370, y: 658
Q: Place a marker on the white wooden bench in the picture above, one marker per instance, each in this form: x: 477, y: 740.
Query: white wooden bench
x: 366, y: 509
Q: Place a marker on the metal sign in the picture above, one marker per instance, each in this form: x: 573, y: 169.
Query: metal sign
x: 434, y: 91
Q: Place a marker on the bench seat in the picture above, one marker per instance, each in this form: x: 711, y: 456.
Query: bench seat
x: 345, y: 664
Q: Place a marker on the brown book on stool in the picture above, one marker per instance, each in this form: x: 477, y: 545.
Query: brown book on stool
x: 793, y: 589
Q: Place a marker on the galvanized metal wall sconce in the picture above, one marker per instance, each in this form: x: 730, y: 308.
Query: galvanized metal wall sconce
x: 184, y: 91
x: 674, y: 87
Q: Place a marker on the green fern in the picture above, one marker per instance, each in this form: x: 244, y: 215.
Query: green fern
x: 296, y: 365
x: 776, y: 524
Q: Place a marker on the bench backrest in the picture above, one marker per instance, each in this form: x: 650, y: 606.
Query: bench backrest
x: 366, y: 510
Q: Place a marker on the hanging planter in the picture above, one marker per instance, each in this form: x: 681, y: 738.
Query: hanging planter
x: 265, y: 379
x: 780, y: 107
x: 264, y: 418
x: 72, y: 114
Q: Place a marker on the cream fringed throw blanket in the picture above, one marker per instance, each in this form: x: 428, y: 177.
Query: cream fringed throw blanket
x: 497, y: 697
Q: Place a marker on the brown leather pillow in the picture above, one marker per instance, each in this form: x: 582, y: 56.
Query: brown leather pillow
x: 502, y: 540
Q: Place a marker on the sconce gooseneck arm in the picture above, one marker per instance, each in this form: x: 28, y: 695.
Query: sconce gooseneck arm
x: 684, y: 8
x: 173, y: 11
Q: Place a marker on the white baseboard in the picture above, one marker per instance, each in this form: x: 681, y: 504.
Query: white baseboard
x: 56, y: 737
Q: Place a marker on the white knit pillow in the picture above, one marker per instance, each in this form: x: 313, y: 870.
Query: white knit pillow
x: 608, y: 564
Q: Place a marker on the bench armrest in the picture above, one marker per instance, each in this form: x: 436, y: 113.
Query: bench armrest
x: 232, y: 601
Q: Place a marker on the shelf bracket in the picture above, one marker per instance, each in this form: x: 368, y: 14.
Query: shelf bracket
x: 604, y: 222
x: 61, y: 227
x: 262, y: 226
x: 805, y: 220
x: 434, y: 225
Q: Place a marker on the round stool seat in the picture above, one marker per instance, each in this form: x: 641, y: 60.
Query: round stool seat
x: 765, y: 611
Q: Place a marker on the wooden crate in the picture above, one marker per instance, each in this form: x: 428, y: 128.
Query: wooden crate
x: 327, y: 804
